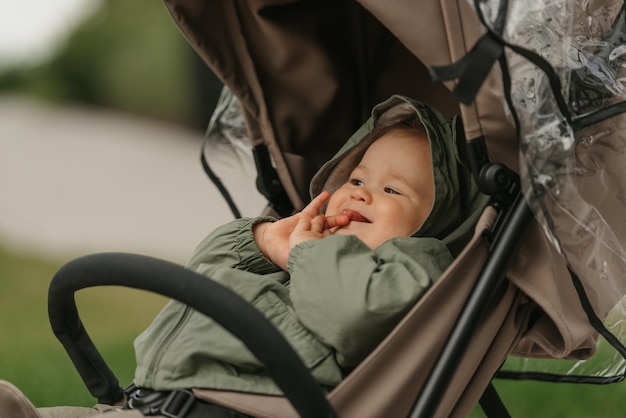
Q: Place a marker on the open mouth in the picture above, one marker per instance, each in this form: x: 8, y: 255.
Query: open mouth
x: 355, y: 216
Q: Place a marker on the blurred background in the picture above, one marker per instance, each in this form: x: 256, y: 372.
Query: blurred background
x: 103, y: 108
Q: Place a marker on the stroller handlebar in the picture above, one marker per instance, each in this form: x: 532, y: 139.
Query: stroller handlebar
x: 205, y: 295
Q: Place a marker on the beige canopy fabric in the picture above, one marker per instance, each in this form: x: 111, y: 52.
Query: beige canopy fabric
x: 440, y: 33
x: 307, y: 73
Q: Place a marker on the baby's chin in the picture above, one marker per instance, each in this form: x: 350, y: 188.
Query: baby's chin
x: 345, y: 230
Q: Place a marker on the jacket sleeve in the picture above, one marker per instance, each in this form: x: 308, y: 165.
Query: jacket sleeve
x: 231, y: 257
x: 232, y: 246
x: 351, y: 296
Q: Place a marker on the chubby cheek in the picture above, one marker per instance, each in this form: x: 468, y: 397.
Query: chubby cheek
x: 334, y: 203
x: 413, y: 214
x: 395, y: 232
x: 404, y: 222
x: 414, y: 223
x: 376, y: 237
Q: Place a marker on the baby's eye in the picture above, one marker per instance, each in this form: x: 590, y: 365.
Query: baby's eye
x: 390, y: 190
x: 356, y: 182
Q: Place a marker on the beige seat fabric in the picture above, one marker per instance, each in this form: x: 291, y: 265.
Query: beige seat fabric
x: 13, y: 403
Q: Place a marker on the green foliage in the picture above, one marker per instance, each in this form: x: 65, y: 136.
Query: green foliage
x: 30, y: 355
x: 129, y: 56
x: 530, y: 399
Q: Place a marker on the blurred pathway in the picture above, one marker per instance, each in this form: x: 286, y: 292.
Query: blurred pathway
x: 80, y: 180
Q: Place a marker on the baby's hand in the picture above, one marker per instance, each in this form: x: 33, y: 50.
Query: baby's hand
x: 272, y: 238
x: 311, y: 225
x: 276, y: 239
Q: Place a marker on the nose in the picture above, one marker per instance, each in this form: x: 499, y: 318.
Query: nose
x: 362, y: 194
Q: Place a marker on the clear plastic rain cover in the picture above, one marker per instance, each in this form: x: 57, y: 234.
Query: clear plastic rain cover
x: 573, y: 152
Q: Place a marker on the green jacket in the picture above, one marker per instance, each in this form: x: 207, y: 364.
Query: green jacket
x: 338, y: 299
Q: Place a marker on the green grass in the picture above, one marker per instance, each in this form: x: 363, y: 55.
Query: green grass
x: 529, y: 399
x: 32, y: 358
x: 30, y: 355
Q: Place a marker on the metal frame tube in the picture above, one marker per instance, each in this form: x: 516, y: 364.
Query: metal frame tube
x: 506, y: 243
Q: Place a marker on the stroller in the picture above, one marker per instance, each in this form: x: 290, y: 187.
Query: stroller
x: 542, y: 278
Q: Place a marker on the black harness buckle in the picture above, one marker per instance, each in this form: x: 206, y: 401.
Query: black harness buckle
x: 171, y: 404
x: 178, y: 403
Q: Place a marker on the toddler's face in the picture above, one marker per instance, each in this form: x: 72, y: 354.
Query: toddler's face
x: 390, y: 193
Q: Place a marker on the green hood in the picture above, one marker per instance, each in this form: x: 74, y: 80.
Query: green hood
x: 457, y: 204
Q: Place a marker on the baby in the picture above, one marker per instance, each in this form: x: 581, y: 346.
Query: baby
x: 388, y: 195
x: 388, y: 213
